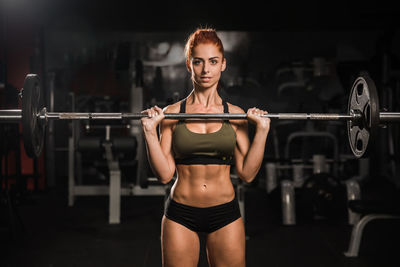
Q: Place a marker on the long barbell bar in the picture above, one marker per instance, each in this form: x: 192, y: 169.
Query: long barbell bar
x: 8, y: 116
x: 15, y: 116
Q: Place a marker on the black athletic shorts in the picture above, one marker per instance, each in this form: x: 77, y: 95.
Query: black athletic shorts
x: 206, y: 220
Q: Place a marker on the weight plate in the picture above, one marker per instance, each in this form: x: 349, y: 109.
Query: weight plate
x: 32, y: 129
x: 364, y: 99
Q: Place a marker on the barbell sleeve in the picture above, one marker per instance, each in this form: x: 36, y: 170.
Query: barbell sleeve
x: 389, y: 116
x: 10, y: 115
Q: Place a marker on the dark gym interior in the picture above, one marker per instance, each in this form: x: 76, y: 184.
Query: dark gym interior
x: 90, y: 197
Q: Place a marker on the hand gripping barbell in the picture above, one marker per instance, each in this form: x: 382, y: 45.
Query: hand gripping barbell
x: 363, y: 117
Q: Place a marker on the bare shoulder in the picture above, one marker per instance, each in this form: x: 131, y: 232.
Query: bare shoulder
x: 173, y: 108
x: 236, y: 109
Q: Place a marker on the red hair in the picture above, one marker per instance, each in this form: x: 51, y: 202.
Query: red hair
x: 202, y: 36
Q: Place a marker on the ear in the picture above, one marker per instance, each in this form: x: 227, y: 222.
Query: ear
x: 223, y: 67
x: 188, y: 66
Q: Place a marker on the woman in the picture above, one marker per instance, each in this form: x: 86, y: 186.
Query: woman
x: 202, y: 198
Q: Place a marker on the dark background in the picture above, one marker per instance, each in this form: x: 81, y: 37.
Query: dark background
x: 90, y: 48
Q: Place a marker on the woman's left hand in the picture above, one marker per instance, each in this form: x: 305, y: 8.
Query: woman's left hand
x: 254, y: 115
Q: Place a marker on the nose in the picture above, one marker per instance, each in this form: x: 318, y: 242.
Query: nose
x: 206, y: 68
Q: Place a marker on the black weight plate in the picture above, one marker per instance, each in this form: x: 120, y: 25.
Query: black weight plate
x: 32, y: 129
x: 363, y: 98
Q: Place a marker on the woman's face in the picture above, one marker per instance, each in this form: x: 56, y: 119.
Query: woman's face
x: 206, y: 65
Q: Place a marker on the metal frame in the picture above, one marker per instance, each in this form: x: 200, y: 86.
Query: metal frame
x: 300, y: 134
x: 318, y: 165
x: 114, y: 190
x: 353, y: 192
x: 356, y: 234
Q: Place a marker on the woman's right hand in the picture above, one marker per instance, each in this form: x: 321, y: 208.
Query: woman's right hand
x: 154, y: 116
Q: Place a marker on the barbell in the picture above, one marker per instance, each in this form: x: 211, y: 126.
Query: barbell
x: 363, y: 117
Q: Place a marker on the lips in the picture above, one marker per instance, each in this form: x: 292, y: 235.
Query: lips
x: 205, y: 79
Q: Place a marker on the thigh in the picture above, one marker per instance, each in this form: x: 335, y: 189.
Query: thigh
x: 226, y: 246
x: 179, y: 245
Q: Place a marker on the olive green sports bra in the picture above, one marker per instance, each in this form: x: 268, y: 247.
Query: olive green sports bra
x: 197, y: 148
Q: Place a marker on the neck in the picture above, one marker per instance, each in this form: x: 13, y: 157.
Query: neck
x: 204, y: 96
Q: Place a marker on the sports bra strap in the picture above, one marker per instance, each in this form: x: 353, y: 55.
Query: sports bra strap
x: 183, y: 106
x: 226, y: 110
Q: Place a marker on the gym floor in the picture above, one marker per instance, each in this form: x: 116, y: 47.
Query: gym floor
x: 56, y: 235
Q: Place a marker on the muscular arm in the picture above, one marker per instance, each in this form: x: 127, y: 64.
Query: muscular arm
x: 249, y: 157
x: 159, y: 152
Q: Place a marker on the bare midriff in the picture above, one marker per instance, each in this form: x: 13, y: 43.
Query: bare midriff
x: 203, y: 185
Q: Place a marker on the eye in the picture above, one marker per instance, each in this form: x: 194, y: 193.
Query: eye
x: 196, y: 62
x: 214, y: 61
